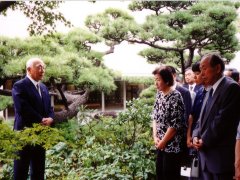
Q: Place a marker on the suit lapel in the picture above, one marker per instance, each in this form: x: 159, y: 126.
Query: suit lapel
x: 213, y: 101
x: 34, y: 89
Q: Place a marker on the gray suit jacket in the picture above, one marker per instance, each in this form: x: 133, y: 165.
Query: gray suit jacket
x: 218, y: 128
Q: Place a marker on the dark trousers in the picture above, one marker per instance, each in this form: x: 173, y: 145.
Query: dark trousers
x: 206, y: 175
x: 168, y: 165
x: 33, y: 156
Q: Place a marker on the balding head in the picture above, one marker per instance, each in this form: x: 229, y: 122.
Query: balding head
x: 212, y: 67
x: 214, y: 60
x: 32, y: 61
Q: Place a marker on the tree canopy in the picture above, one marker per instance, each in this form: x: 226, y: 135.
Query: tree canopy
x: 69, y: 59
x: 178, y: 32
x: 43, y: 15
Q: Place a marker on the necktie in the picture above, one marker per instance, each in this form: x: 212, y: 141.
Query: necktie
x: 191, y: 88
x: 204, y: 93
x: 38, y: 88
x: 209, y: 97
x: 208, y: 102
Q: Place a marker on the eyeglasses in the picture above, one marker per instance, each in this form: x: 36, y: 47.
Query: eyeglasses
x: 40, y: 67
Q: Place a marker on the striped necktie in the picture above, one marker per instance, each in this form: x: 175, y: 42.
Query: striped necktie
x: 38, y: 88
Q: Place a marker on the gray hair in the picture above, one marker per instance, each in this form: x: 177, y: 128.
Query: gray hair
x: 31, y: 61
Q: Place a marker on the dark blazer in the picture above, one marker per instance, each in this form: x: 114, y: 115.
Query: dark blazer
x: 218, y: 128
x: 28, y: 105
x: 187, y: 102
x: 197, y: 105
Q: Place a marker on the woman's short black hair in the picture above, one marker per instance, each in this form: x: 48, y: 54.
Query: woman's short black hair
x: 165, y: 73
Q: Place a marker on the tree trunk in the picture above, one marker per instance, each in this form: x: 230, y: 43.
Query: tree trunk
x: 5, y: 92
x: 190, y: 58
x: 182, y: 64
x: 72, y: 111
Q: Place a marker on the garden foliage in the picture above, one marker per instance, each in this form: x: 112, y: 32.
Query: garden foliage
x: 102, y: 148
x: 105, y: 148
x: 12, y: 141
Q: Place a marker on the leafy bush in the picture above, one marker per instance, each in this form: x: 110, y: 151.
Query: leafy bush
x: 105, y: 148
x: 5, y: 101
x: 12, y: 141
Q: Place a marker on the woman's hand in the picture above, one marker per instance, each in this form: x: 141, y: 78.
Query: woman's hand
x: 156, y: 141
x: 161, y: 145
x: 189, y: 142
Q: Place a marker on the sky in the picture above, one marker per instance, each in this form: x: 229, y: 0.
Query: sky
x: 124, y: 59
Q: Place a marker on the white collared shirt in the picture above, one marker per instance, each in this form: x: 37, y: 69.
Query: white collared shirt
x: 32, y: 80
x: 35, y: 84
x: 216, y: 84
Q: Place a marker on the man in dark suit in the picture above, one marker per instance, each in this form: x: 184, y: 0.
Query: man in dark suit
x: 237, y: 154
x: 197, y: 105
x: 185, y: 95
x: 32, y: 105
x: 190, y: 81
x: 215, y: 133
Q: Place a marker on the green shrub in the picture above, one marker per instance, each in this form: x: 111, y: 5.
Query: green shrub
x: 105, y: 148
x: 5, y: 101
x: 12, y: 141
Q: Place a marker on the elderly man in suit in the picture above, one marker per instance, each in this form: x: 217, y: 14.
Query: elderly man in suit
x: 215, y: 133
x: 32, y: 105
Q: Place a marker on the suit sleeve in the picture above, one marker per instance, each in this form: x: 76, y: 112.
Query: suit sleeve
x: 195, y: 132
x: 50, y: 110
x: 224, y: 122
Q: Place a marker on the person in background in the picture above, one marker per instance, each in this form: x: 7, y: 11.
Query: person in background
x: 215, y: 132
x: 167, y: 125
x: 237, y: 154
x: 190, y: 80
x: 185, y: 95
x: 196, y: 109
x: 31, y: 105
x: 190, y: 83
x: 197, y: 105
x: 232, y: 73
x: 187, y: 101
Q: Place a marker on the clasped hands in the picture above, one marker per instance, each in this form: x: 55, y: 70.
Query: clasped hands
x: 159, y: 144
x: 47, y: 121
x: 197, y: 143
